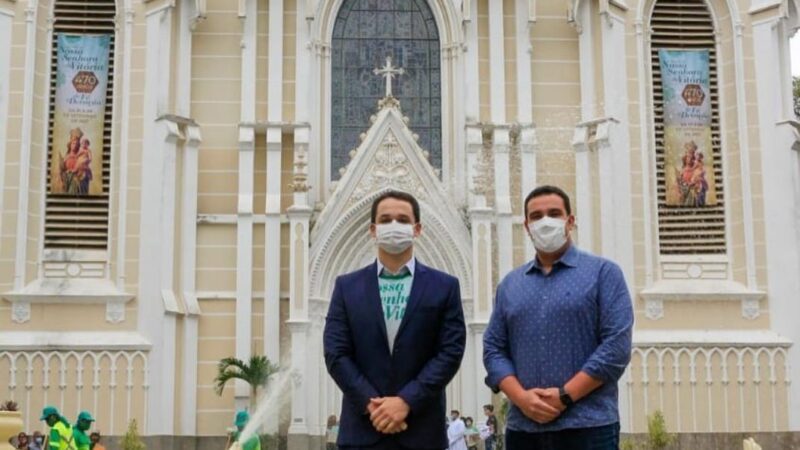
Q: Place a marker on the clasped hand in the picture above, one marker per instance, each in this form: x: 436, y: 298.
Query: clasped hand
x: 388, y: 414
x: 541, y: 405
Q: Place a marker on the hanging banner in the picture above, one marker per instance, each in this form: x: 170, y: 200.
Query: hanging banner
x: 688, y: 155
x: 76, y: 167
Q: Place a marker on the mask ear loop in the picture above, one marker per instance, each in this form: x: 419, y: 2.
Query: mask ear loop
x: 574, y: 227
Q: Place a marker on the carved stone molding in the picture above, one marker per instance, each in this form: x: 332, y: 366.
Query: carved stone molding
x: 698, y: 365
x: 318, y: 309
x: 297, y: 379
x: 484, y: 165
x: 751, y: 308
x: 593, y: 134
x: 20, y: 312
x: 477, y: 327
x: 300, y: 175
x: 793, y: 128
x: 68, y: 291
x: 115, y: 312
x: 700, y: 290
x: 654, y: 308
x: 388, y: 157
x: 390, y: 167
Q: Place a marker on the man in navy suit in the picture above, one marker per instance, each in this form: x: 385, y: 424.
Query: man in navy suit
x: 394, y: 337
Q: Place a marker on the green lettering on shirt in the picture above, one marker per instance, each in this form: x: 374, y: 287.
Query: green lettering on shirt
x: 395, y: 291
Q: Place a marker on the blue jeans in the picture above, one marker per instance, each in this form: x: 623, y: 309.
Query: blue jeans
x: 595, y: 438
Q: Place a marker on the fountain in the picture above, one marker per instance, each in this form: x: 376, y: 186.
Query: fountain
x: 269, y: 406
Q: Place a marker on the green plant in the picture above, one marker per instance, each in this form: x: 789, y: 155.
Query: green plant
x: 796, y: 95
x: 272, y: 442
x: 627, y: 444
x: 255, y: 372
x: 657, y: 434
x: 131, y: 440
x: 505, y: 406
x: 9, y: 405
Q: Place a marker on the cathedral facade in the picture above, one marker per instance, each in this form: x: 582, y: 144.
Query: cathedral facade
x: 183, y: 180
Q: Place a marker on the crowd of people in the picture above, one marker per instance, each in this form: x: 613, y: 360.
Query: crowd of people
x: 62, y: 436
x: 464, y: 433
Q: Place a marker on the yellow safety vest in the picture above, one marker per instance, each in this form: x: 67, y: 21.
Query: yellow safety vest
x: 61, y: 437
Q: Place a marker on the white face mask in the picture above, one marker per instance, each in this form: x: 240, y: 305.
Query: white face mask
x: 394, y: 237
x: 548, y: 234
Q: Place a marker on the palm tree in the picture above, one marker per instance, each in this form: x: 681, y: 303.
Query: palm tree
x: 256, y: 373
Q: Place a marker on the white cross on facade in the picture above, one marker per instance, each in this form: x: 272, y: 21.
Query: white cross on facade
x: 388, y: 71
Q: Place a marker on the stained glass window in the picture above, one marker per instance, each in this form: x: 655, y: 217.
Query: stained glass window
x: 365, y: 33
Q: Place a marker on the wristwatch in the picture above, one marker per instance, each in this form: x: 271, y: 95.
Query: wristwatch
x: 566, y: 400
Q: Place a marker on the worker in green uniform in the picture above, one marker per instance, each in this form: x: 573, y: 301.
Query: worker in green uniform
x: 60, y: 437
x: 81, y: 429
x: 253, y: 442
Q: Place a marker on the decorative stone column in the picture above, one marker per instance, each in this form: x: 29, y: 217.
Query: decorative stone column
x: 244, y: 257
x: 779, y: 139
x: 524, y: 131
x: 6, y: 21
x: 22, y: 310
x: 272, y: 251
x: 524, y: 138
x: 501, y: 153
x: 319, y: 159
x: 613, y: 137
x: 584, y: 206
x: 480, y: 216
x: 304, y: 364
x: 604, y: 111
x: 601, y: 140
x: 188, y: 255
x: 156, y: 301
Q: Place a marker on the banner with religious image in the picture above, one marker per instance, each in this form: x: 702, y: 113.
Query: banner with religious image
x: 76, y: 166
x: 688, y: 155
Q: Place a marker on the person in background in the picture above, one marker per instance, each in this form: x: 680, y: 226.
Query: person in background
x: 20, y: 441
x: 331, y: 433
x: 37, y: 441
x: 491, y: 422
x: 82, y: 441
x: 95, y: 438
x: 456, y: 432
x: 61, y: 437
x: 473, y: 437
x: 252, y: 443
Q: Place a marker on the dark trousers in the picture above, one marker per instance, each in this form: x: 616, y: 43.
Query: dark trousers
x: 596, y: 438
x: 383, y: 444
x: 490, y: 441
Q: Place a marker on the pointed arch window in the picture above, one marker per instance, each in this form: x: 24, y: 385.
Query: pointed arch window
x: 690, y: 188
x: 78, y: 182
x: 365, y: 33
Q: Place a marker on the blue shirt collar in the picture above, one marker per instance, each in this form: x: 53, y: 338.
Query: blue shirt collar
x: 569, y: 259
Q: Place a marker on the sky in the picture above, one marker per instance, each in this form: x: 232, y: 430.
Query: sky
x: 795, y: 44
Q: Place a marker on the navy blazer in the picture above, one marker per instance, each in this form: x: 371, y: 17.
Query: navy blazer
x: 426, y: 355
